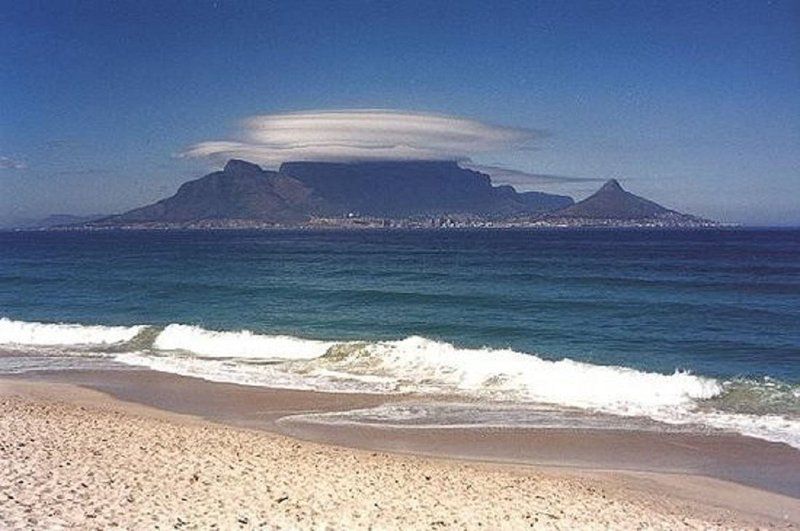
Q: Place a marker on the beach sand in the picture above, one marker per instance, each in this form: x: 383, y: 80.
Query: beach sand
x: 728, y: 456
x: 71, y: 456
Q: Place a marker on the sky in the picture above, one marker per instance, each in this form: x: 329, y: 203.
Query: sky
x: 105, y: 106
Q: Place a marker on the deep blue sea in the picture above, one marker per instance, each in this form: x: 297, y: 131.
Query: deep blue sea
x: 679, y: 327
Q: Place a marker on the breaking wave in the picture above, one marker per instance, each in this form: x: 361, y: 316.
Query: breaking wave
x: 420, y: 366
x: 416, y: 364
x: 241, y: 344
x: 48, y: 334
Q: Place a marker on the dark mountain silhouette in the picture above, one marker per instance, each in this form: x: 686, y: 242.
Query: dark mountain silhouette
x: 300, y: 191
x: 612, y: 203
x: 241, y: 191
x: 402, y: 189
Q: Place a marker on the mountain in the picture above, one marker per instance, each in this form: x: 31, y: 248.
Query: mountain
x: 302, y: 191
x: 612, y: 204
x: 241, y: 191
x: 401, y: 189
x: 611, y: 201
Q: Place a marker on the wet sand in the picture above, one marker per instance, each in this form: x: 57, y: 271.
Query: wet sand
x: 591, y: 478
x: 754, y: 462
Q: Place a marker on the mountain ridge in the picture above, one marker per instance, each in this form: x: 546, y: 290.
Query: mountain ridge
x: 420, y: 194
x: 242, y: 190
x: 301, y: 191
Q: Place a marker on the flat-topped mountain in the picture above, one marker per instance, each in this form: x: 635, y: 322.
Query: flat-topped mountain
x: 611, y: 203
x: 402, y: 189
x: 301, y: 191
x: 383, y: 193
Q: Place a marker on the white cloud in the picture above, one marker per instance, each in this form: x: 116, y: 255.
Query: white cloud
x: 362, y: 134
x: 7, y: 163
x: 524, y: 180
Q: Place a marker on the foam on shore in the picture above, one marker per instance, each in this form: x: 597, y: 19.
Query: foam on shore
x: 417, y: 365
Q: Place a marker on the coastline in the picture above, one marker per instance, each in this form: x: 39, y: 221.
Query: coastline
x: 674, y: 486
x: 380, y: 226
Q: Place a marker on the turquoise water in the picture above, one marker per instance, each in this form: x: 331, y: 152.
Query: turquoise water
x: 480, y: 312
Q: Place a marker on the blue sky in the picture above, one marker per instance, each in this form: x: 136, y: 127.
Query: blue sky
x: 693, y: 104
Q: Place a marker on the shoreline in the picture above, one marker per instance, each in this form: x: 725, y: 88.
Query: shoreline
x: 563, y: 496
x: 379, y: 228
x: 773, y: 467
x: 726, y: 456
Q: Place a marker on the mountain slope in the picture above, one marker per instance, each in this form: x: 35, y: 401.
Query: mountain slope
x: 300, y: 191
x: 240, y: 191
x: 611, y: 203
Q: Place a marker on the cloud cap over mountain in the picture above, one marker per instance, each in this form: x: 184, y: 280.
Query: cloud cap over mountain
x: 361, y: 135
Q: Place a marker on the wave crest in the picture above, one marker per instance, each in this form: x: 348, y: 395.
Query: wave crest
x: 422, y: 365
x: 241, y: 344
x: 51, y: 334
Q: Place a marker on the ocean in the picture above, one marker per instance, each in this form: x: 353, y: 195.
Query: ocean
x: 611, y: 329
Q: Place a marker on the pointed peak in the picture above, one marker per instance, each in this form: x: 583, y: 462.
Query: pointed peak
x: 611, y: 185
x: 241, y: 167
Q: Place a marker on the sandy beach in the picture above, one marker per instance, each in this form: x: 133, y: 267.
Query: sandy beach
x: 77, y: 457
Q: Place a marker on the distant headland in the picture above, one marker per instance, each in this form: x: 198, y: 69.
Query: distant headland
x: 411, y: 194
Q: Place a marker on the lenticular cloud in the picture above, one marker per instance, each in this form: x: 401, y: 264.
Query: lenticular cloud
x: 362, y: 134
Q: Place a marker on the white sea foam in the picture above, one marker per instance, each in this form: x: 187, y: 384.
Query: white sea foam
x: 51, y: 334
x: 426, y: 414
x: 241, y: 344
x: 775, y: 428
x: 419, y: 365
x: 215, y: 370
x: 423, y: 366
x: 423, y: 415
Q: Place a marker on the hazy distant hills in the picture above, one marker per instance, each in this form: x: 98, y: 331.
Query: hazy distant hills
x: 300, y: 191
x: 54, y: 220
